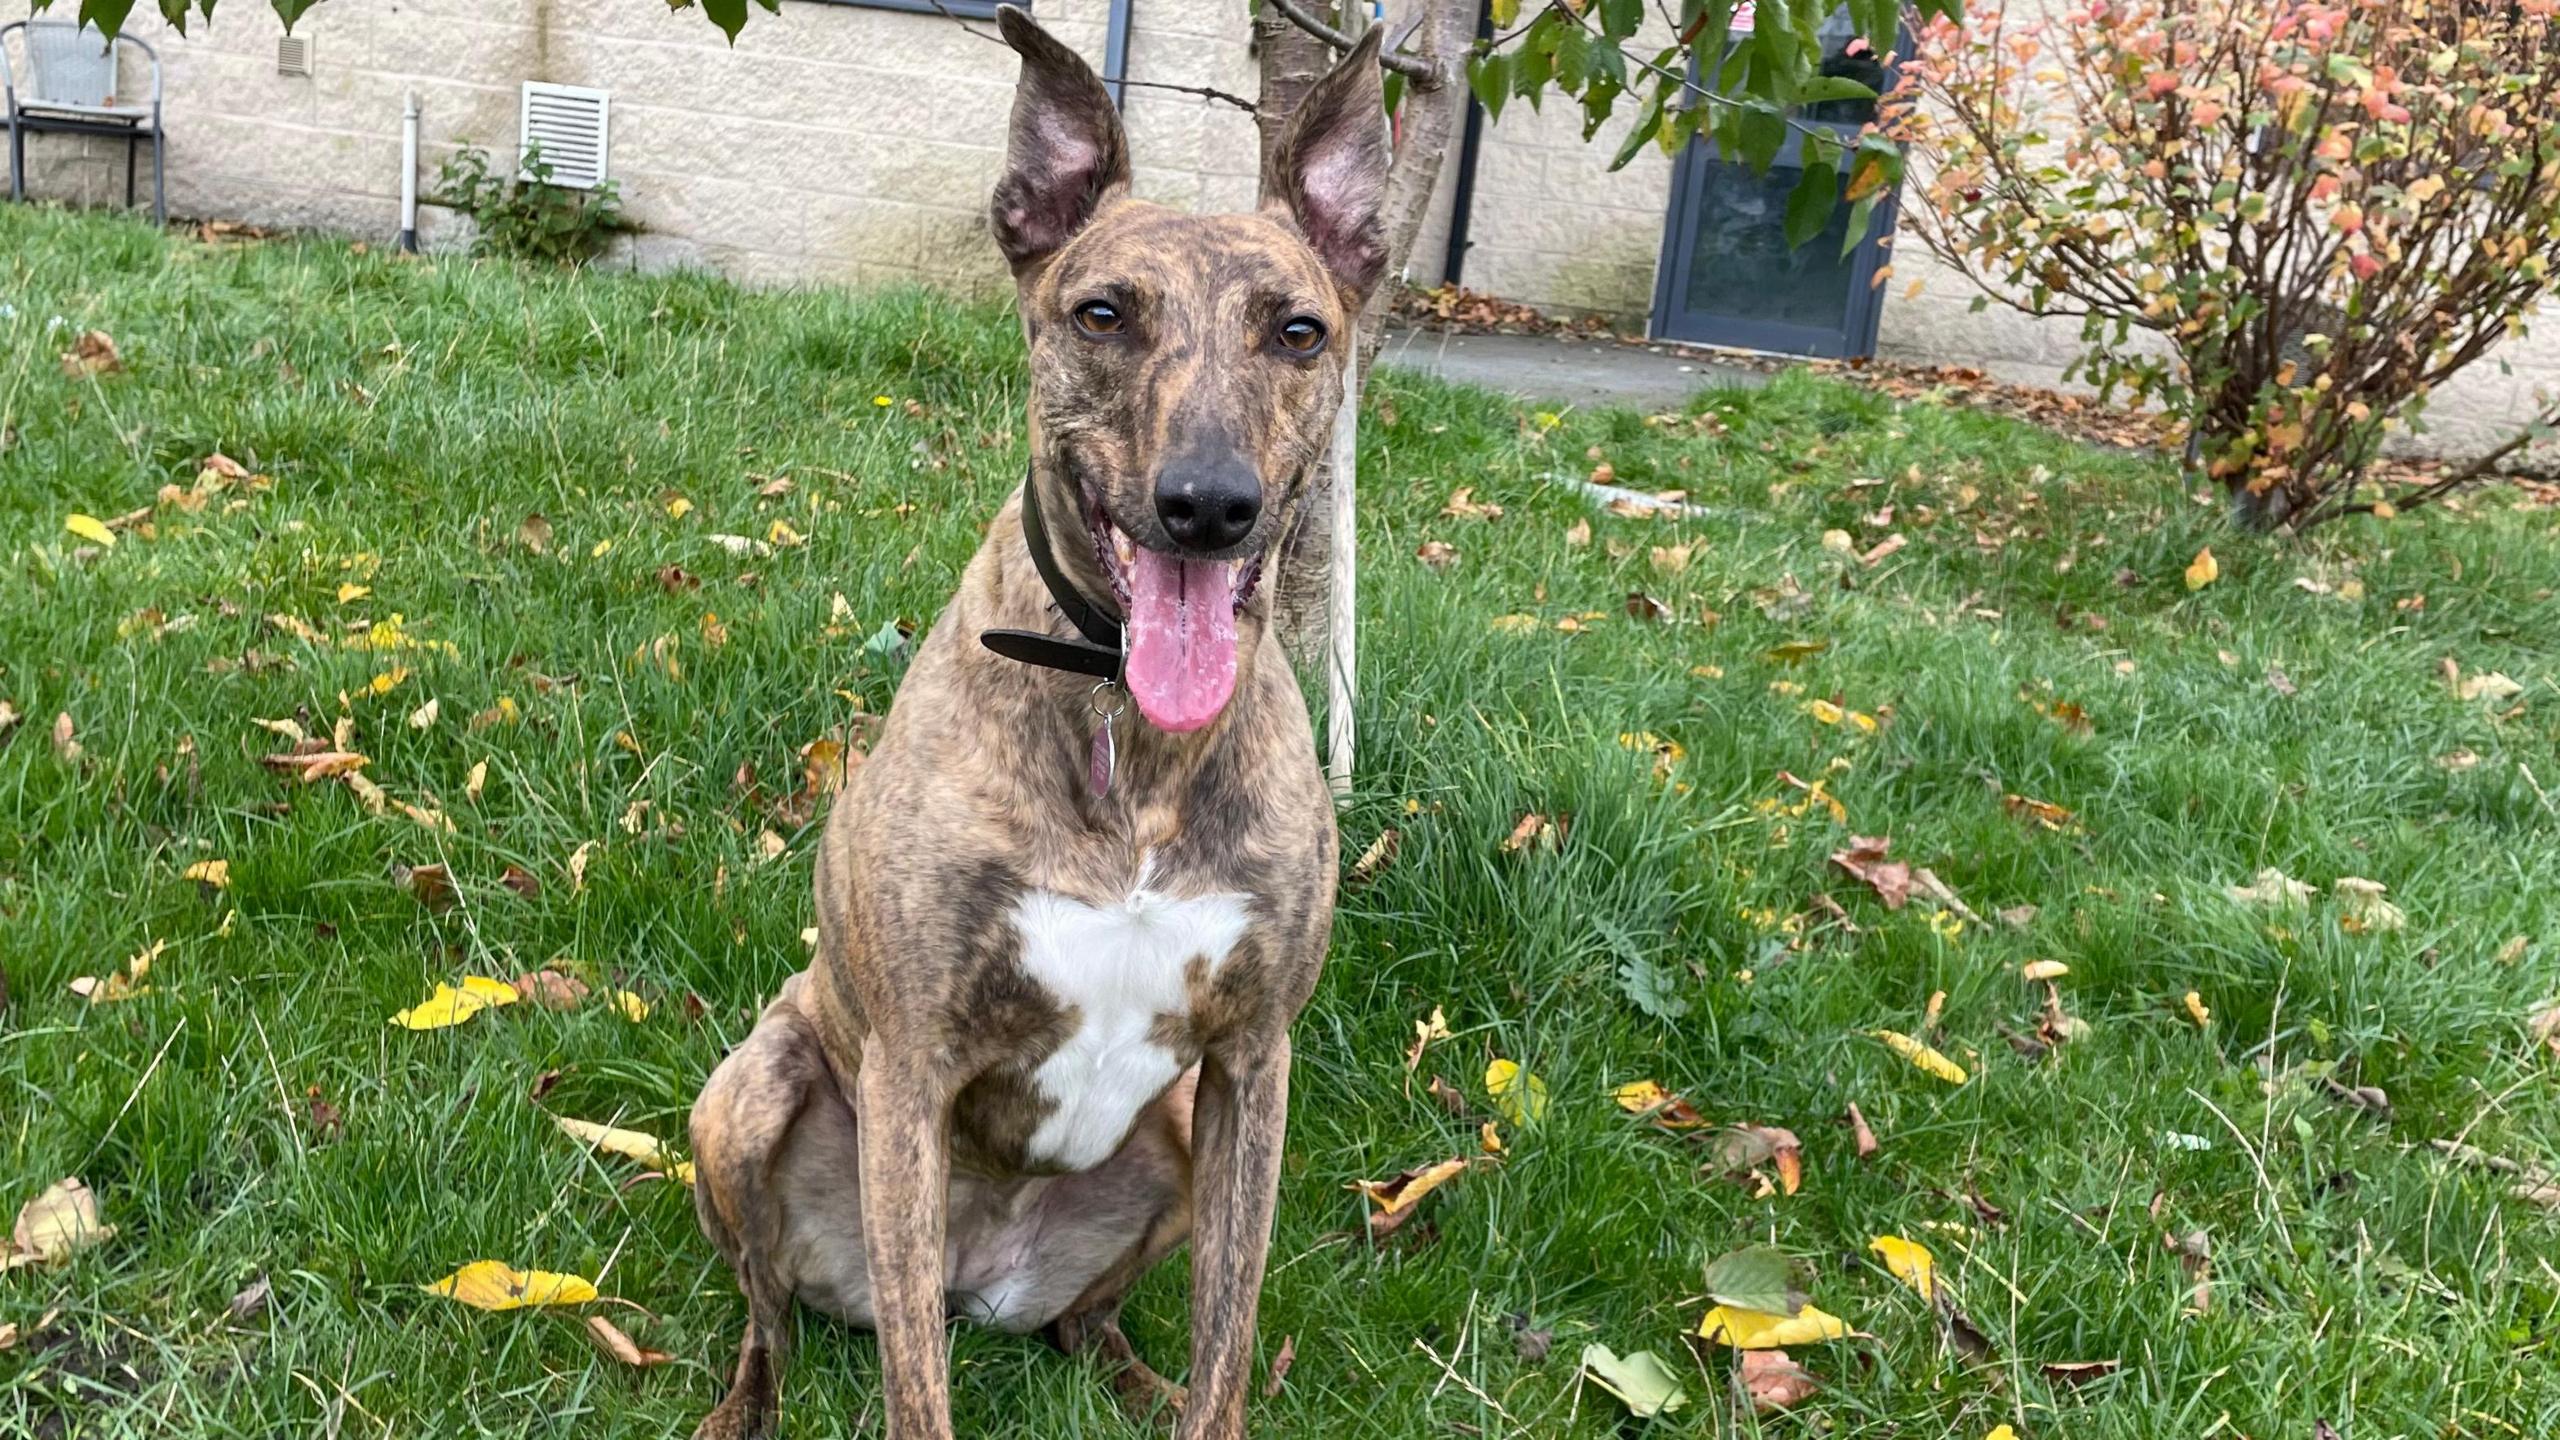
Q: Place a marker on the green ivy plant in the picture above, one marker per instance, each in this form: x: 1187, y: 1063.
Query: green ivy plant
x: 524, y: 215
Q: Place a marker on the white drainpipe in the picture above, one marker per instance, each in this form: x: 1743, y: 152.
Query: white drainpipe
x: 408, y: 241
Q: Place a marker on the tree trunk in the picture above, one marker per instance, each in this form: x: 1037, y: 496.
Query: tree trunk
x: 1291, y: 62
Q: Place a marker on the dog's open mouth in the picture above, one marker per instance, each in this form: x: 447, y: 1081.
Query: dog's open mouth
x: 1181, y: 623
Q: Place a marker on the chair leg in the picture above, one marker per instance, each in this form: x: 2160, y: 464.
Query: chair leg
x: 159, y: 182
x: 17, y: 160
x: 131, y: 144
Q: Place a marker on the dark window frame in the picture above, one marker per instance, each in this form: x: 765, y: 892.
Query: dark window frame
x: 959, y: 9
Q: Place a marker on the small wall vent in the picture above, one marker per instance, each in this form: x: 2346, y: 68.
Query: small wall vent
x: 566, y: 123
x: 293, y: 55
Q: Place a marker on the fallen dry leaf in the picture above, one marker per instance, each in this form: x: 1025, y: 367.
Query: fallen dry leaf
x: 552, y: 989
x: 1649, y: 1102
x: 2043, y: 970
x: 1464, y: 506
x: 2203, y: 570
x: 1396, y: 1196
x: 629, y: 1144
x: 1773, y: 1381
x: 1425, y: 1031
x: 2361, y: 908
x: 1743, y: 1149
x: 1533, y: 829
x: 1373, y: 860
x: 2078, y: 1372
x: 94, y: 353
x: 451, y: 1005
x: 316, y: 765
x: 496, y: 1285
x: 1436, y: 554
x: 2196, y: 1010
x: 211, y: 874
x: 1865, y: 860
x: 1861, y: 1132
x: 1758, y: 1330
x: 62, y: 1219
x: 1922, y: 1056
x: 1518, y: 1095
x: 609, y: 1338
x: 1280, y: 1364
x: 2272, y: 888
x: 1910, y: 1262
x: 429, y: 885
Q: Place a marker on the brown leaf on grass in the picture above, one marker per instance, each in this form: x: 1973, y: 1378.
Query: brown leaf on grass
x: 1866, y: 1137
x: 94, y: 353
x: 608, y: 1337
x: 2545, y: 1028
x: 2195, y: 1253
x: 522, y: 881
x: 316, y: 765
x: 542, y: 1084
x: 1373, y: 860
x: 1646, y: 1100
x: 535, y: 533
x: 1865, y: 860
x: 1426, y: 1032
x: 2039, y: 812
x: 66, y: 743
x: 327, y: 1121
x: 54, y: 1224
x: 1883, y: 550
x: 2019, y: 917
x: 1742, y: 1150
x: 9, y: 718
x: 1464, y: 506
x: 1436, y: 555
x: 1530, y: 1342
x: 1578, y: 534
x: 1773, y: 1381
x: 2078, y: 1372
x: 429, y: 885
x: 1535, y: 830
x: 1450, y: 1097
x: 1280, y: 1364
x: 552, y: 989
x: 1641, y: 606
x: 1396, y: 1196
x: 250, y: 1301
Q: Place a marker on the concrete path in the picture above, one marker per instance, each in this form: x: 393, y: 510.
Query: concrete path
x: 1584, y: 373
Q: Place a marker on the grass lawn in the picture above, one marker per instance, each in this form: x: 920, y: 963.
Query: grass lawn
x: 2033, y: 637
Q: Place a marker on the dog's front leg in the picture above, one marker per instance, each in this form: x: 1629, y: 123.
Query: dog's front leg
x: 904, y: 1109
x: 1240, y: 1119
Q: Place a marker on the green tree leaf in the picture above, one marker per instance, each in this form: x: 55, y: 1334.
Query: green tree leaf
x: 1756, y: 1277
x: 1809, y: 205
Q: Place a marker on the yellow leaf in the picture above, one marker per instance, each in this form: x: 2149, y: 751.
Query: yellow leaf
x: 496, y: 1285
x: 2001, y: 1432
x: 1756, y: 1330
x: 633, y: 1008
x: 447, y: 1006
x: 389, y: 680
x: 62, y: 1219
x: 1910, y: 1262
x: 780, y: 533
x: 1922, y: 1056
x: 2203, y: 570
x: 600, y: 548
x: 2196, y: 1010
x: 1515, y: 624
x: 1402, y: 1191
x: 493, y: 992
x: 1489, y: 1138
x: 629, y: 1144
x: 215, y: 873
x: 2043, y: 970
x: 90, y: 528
x: 1824, y: 712
x: 348, y: 594
x: 1520, y: 1095
x: 678, y: 508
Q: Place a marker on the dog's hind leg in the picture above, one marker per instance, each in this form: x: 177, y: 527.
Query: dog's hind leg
x: 766, y: 1102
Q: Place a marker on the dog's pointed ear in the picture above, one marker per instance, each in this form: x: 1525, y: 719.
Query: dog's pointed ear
x: 1066, y: 151
x: 1329, y: 171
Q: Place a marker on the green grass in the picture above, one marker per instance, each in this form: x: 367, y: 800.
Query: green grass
x: 414, y: 414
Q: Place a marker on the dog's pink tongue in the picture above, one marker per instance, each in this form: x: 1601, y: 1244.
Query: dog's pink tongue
x: 1182, y: 640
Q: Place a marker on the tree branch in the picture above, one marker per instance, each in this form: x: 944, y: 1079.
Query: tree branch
x: 1424, y: 74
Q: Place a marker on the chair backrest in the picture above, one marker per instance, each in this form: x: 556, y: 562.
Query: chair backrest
x: 69, y: 64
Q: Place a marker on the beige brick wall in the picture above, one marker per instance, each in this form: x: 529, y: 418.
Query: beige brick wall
x: 833, y: 143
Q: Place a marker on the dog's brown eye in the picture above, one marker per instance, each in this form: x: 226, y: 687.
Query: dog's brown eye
x: 1302, y: 335
x: 1099, y: 317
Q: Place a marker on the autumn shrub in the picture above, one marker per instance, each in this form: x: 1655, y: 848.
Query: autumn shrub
x: 2322, y: 209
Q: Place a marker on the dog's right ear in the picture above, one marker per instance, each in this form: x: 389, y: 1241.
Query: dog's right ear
x: 1066, y: 152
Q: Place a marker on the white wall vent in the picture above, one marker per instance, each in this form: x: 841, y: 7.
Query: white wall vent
x: 567, y: 124
x: 293, y: 55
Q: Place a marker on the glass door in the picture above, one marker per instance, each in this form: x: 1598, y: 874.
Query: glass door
x: 1727, y: 275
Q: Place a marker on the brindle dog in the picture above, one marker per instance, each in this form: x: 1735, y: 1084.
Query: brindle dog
x: 1045, y: 1039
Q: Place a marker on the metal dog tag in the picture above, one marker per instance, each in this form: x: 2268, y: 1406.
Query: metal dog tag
x: 1108, y: 702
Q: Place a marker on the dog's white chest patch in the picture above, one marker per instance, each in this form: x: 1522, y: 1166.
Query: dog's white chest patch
x: 1119, y: 967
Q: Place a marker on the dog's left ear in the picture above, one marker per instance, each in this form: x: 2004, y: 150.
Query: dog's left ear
x: 1329, y: 171
x: 1066, y: 152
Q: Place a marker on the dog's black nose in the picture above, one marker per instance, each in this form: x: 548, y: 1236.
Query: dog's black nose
x: 1208, y: 508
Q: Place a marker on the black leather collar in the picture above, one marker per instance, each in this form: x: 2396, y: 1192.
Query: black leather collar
x: 1102, y: 650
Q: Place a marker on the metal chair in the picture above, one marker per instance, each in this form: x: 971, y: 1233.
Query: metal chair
x: 71, y: 90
